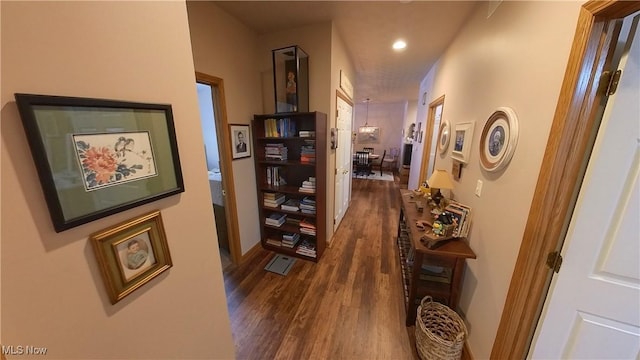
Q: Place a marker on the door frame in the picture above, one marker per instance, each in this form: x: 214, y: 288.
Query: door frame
x: 346, y: 99
x: 429, y: 128
x: 560, y: 175
x: 224, y: 151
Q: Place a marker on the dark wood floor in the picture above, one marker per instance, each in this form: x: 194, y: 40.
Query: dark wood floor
x: 348, y: 306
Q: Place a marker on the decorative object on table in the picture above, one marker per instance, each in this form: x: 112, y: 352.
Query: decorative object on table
x: 462, y: 214
x: 97, y: 157
x: 240, y: 141
x: 444, y: 224
x: 368, y: 134
x: 439, y: 179
x: 499, y: 139
x: 440, y: 332
x: 462, y: 145
x: 291, y: 79
x: 444, y: 136
x: 456, y: 170
x: 132, y: 253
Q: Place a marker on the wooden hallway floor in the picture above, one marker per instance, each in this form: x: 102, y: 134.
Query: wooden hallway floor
x: 348, y: 306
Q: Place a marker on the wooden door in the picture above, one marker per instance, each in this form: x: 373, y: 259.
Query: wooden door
x: 593, y: 309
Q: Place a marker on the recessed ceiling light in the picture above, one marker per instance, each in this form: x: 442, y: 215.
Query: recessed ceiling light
x: 399, y: 45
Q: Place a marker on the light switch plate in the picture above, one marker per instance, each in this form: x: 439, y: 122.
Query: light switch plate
x: 479, y: 188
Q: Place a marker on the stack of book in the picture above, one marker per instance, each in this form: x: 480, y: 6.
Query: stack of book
x: 274, y: 178
x: 308, y: 206
x: 291, y: 205
x: 274, y: 242
x: 273, y: 200
x: 279, y: 128
x: 275, y: 219
x: 307, y: 133
x: 306, y: 248
x: 308, y: 152
x: 275, y: 152
x: 308, y: 186
x: 462, y: 215
x: 307, y: 227
x: 290, y: 239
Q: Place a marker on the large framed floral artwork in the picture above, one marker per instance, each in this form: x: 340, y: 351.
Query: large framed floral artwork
x: 97, y: 157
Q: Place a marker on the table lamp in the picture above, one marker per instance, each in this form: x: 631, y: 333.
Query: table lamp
x: 439, y: 179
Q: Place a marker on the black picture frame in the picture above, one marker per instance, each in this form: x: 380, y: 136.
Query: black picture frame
x: 98, y: 157
x: 240, y: 150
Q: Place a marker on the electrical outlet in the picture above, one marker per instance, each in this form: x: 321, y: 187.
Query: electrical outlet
x: 479, y: 188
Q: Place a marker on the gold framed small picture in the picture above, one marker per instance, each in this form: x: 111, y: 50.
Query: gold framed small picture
x: 132, y: 253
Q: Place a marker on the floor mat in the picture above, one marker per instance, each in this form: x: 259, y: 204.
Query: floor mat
x: 280, y: 264
x: 386, y: 176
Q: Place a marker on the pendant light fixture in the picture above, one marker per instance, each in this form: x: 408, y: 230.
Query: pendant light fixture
x: 366, y: 129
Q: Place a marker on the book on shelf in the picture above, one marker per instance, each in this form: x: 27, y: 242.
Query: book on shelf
x: 279, y: 127
x: 306, y: 248
x: 308, y: 152
x: 275, y: 152
x: 306, y: 133
x: 275, y: 219
x: 274, y: 176
x: 308, y: 186
x: 274, y: 242
x: 290, y: 239
x: 291, y: 205
x: 273, y: 199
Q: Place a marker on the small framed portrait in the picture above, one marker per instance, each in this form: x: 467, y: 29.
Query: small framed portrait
x: 463, y: 136
x: 498, y: 140
x: 240, y: 141
x: 444, y: 137
x: 130, y: 254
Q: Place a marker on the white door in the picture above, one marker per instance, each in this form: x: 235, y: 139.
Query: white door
x: 343, y: 160
x: 593, y: 310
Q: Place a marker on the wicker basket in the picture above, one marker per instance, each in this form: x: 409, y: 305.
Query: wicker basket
x: 440, y: 332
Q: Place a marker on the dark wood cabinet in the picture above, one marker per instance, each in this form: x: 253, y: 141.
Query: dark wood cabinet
x: 436, y: 272
x: 290, y: 161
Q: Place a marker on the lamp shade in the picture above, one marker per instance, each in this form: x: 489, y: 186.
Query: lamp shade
x: 440, y: 179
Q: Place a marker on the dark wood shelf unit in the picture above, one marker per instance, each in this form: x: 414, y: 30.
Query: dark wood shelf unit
x: 451, y: 256
x: 294, y: 172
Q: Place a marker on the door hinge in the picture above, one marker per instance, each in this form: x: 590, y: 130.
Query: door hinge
x: 609, y: 82
x: 554, y: 261
x: 336, y: 173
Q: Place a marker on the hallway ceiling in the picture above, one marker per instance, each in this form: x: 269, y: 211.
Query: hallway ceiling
x: 368, y: 29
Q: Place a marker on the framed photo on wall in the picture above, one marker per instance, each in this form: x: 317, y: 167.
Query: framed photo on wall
x: 240, y: 141
x: 97, y: 157
x: 463, y: 137
x: 499, y: 139
x: 444, y: 137
x: 132, y: 253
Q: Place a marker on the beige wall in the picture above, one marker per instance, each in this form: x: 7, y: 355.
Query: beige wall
x: 389, y: 117
x: 225, y: 48
x: 52, y: 292
x: 515, y: 58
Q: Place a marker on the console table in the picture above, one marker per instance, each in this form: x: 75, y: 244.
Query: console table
x: 435, y: 272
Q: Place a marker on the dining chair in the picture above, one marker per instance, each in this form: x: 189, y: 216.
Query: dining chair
x: 363, y: 166
x: 391, y: 161
x: 379, y: 164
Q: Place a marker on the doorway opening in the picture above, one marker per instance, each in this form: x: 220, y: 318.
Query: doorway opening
x: 434, y: 117
x: 218, y: 162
